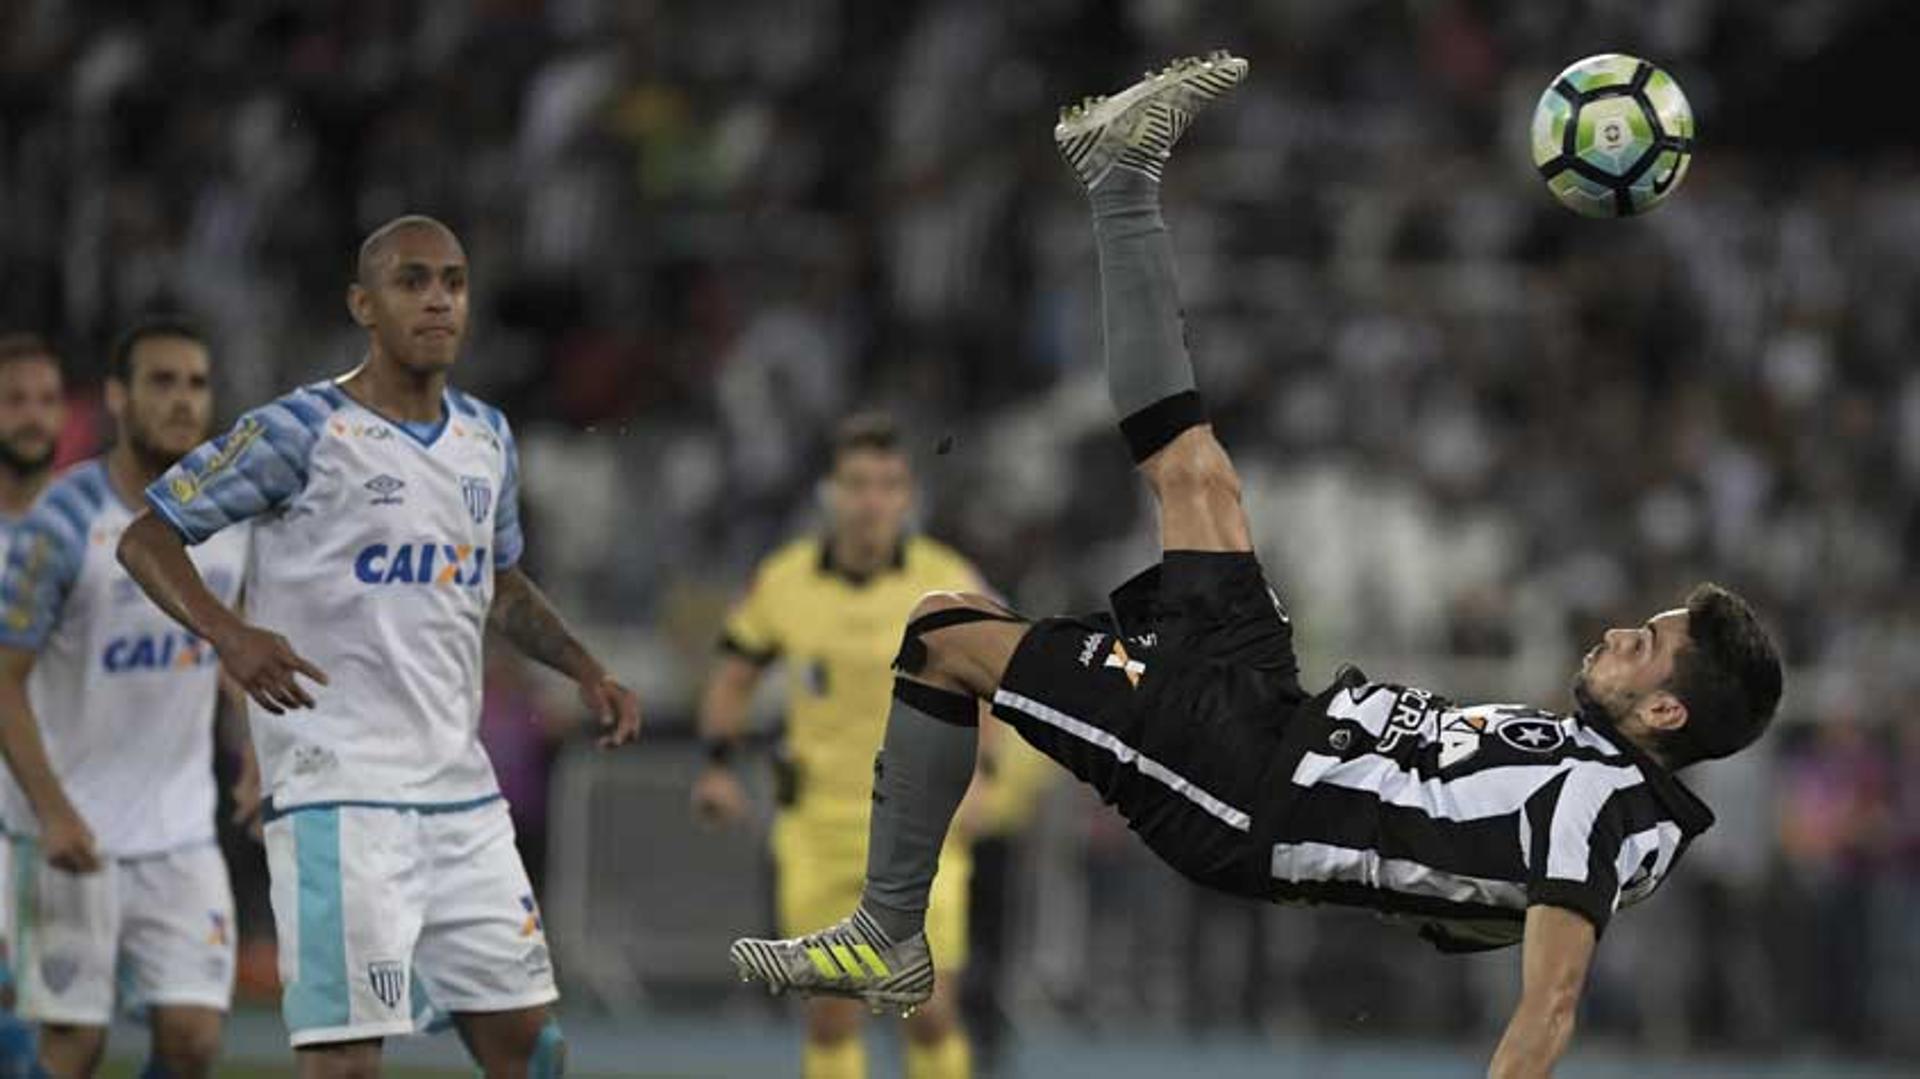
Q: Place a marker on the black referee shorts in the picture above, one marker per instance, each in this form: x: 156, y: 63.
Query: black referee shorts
x: 1171, y: 706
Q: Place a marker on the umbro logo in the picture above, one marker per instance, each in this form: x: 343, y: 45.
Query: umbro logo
x: 386, y: 490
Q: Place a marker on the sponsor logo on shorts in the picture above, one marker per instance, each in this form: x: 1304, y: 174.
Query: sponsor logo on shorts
x: 1132, y: 668
x: 1091, y: 648
x: 537, y: 962
x: 388, y: 977
x: 308, y: 760
x: 57, y: 971
x: 217, y: 928
x: 1532, y: 734
x: 531, y: 923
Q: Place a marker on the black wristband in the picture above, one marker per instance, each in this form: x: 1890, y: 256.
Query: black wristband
x: 720, y: 751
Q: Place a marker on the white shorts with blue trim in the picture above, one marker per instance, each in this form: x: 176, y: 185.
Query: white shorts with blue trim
x: 144, y: 931
x: 390, y: 916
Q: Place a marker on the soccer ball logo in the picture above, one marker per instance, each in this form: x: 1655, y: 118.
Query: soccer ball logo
x: 1612, y: 136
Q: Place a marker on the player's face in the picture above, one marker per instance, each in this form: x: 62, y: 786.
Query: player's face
x: 416, y: 302
x: 869, y: 495
x: 1628, y: 665
x: 167, y: 404
x: 33, y: 407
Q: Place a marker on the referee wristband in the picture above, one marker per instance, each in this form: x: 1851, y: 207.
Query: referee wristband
x: 720, y: 751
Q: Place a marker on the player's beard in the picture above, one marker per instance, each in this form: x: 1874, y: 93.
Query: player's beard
x: 1590, y: 706
x: 21, y: 464
x: 153, y: 458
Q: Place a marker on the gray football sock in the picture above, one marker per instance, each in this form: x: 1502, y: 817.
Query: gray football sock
x: 923, y: 770
x: 1146, y: 349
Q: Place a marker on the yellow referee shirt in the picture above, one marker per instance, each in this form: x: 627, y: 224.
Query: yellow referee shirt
x: 837, y: 635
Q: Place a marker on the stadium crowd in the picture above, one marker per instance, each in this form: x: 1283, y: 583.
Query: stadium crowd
x: 1473, y: 428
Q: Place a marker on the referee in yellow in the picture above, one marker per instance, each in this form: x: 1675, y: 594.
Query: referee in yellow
x: 831, y: 608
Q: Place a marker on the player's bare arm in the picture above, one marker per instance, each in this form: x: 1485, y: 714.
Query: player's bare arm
x: 1556, y: 952
x: 65, y: 838
x: 261, y: 661
x: 522, y: 614
x: 718, y: 796
x: 231, y: 732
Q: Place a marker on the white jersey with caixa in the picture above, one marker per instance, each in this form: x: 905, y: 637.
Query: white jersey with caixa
x: 124, y: 696
x: 374, y: 554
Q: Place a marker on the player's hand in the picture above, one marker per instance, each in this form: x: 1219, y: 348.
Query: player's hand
x: 264, y: 664
x: 719, y: 798
x: 68, y: 843
x: 616, y: 707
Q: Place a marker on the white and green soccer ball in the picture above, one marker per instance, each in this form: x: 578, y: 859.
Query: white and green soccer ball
x: 1612, y: 136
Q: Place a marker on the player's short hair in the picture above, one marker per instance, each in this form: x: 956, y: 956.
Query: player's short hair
x: 376, y: 242
x: 120, y: 360
x: 1728, y: 676
x: 874, y: 432
x: 27, y: 346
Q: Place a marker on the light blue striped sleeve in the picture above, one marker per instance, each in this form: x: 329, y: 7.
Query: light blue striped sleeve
x: 508, y: 544
x: 252, y: 469
x: 43, y: 563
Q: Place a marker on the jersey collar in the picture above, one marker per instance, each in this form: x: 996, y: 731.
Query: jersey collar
x: 1689, y: 812
x: 829, y: 568
x: 426, y: 440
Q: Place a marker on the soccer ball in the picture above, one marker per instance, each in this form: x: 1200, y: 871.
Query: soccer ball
x: 1612, y: 136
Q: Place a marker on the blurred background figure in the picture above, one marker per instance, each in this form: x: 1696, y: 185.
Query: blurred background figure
x: 705, y: 231
x: 829, y: 607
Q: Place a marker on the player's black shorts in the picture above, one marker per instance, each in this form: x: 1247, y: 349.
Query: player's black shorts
x: 1172, y: 707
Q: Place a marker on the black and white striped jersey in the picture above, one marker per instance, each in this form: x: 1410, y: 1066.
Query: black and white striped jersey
x: 1458, y: 818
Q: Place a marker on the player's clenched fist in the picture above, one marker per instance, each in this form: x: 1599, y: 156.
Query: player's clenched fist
x: 264, y: 664
x: 616, y: 707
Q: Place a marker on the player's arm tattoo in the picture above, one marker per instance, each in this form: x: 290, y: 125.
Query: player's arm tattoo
x: 522, y: 614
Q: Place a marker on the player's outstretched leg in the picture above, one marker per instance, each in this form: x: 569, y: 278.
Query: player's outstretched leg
x: 1117, y: 146
x: 955, y: 652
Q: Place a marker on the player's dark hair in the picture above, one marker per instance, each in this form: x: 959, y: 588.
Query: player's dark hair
x: 27, y: 346
x: 1728, y: 676
x: 120, y: 360
x: 875, y: 432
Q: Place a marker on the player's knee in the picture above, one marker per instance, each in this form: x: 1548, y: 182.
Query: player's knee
x: 1193, y: 466
x: 832, y: 1022
x: 341, y: 1060
x: 923, y: 649
x: 949, y: 601
x: 185, y: 1044
x: 931, y: 1023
